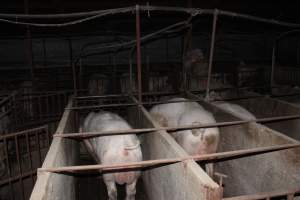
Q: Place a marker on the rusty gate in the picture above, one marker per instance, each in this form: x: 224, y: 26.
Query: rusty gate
x: 21, y: 153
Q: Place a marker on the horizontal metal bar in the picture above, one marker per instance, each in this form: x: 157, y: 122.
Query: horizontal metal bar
x: 102, y: 106
x: 129, y: 104
x: 194, y: 11
x: 285, y: 95
x: 17, y: 178
x: 28, y: 131
x: 265, y: 195
x: 126, y: 95
x: 151, y: 163
x: 101, y: 96
x: 67, y: 15
x: 240, y: 98
x: 87, y: 135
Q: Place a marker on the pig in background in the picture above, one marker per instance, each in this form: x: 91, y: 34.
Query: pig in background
x: 196, y: 66
x: 125, y: 84
x: 115, y: 149
x: 159, y: 84
x: 195, y: 141
x: 98, y: 84
x: 236, y: 110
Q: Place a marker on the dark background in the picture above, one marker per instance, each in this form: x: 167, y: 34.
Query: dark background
x: 236, y: 39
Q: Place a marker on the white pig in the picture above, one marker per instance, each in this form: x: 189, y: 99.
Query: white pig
x: 115, y: 149
x: 236, y: 110
x: 195, y: 141
x: 168, y: 114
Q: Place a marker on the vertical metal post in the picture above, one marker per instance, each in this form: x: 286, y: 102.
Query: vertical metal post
x: 9, y: 170
x: 72, y: 64
x: 138, y: 52
x: 27, y: 138
x: 298, y: 52
x: 167, y: 50
x: 272, y: 67
x: 131, y: 88
x: 148, y: 78
x: 29, y: 46
x: 80, y: 75
x: 44, y: 53
x: 19, y: 167
x: 211, y: 51
x: 115, y: 88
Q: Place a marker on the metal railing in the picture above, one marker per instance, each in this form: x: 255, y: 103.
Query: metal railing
x: 21, y: 154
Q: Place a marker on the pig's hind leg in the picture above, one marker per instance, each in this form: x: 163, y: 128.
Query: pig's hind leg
x: 131, y: 190
x: 111, y: 190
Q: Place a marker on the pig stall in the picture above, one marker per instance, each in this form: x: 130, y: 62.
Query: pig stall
x: 264, y: 107
x: 182, y: 180
x: 260, y: 176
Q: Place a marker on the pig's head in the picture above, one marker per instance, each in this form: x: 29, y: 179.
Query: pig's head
x: 162, y: 121
x: 193, y: 57
x: 200, y: 140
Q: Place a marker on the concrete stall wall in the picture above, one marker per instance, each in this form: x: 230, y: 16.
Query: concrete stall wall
x: 184, y: 180
x: 269, y: 107
x: 50, y: 186
x: 260, y: 173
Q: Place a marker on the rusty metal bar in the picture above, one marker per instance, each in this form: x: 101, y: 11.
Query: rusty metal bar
x: 29, y: 154
x: 48, y: 136
x: 39, y: 99
x: 265, y: 195
x: 148, y: 8
x: 74, y: 80
x: 211, y: 51
x: 131, y: 81
x: 8, y: 167
x: 22, y: 132
x: 38, y: 147
x: 138, y: 52
x: 126, y: 95
x: 17, y: 178
x: 47, y: 105
x: 272, y: 67
x: 159, y: 162
x: 172, y: 129
x: 44, y: 52
x: 102, y: 106
x: 19, y: 166
x: 239, y: 98
x: 129, y: 104
x: 55, y: 110
x: 29, y: 45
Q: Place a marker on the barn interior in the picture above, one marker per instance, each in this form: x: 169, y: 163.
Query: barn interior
x: 61, y: 60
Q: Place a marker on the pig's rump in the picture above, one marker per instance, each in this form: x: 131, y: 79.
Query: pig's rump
x: 123, y: 155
